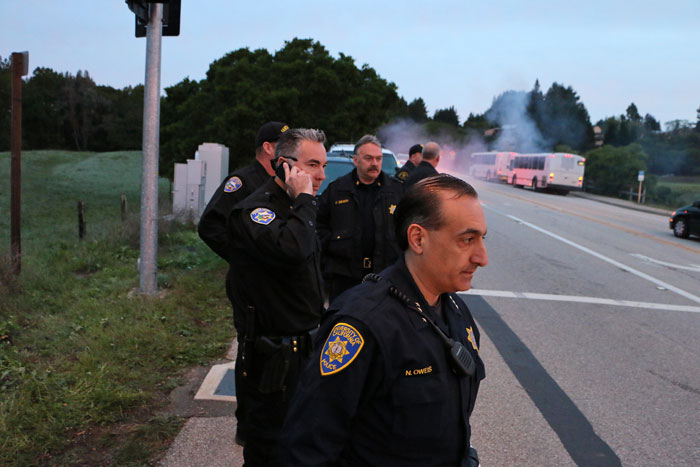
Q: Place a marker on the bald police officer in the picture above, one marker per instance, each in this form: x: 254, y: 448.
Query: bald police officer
x: 278, y: 284
x: 213, y: 229
x: 356, y: 220
x: 428, y: 166
x: 415, y: 156
x: 396, y: 369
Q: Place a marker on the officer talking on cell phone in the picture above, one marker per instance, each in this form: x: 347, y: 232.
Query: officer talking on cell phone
x: 278, y: 284
x: 396, y: 368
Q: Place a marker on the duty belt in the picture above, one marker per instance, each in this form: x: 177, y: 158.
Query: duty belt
x: 301, y: 343
x: 367, y: 263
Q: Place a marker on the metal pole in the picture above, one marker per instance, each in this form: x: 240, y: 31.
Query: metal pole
x: 16, y: 163
x: 151, y: 126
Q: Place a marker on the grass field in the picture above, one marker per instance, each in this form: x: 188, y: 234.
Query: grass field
x: 86, y: 364
x: 682, y: 190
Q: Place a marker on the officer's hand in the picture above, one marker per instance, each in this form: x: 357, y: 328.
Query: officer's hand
x: 297, y: 181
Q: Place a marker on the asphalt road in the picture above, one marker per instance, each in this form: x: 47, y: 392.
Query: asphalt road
x: 590, y: 320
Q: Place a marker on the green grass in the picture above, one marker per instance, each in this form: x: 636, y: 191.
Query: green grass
x: 678, y: 191
x: 85, y: 363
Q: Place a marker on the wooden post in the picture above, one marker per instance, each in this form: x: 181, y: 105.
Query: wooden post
x: 639, y: 194
x: 20, y: 63
x: 81, y: 220
x: 123, y: 207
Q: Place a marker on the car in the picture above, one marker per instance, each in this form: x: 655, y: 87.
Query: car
x: 389, y: 163
x: 336, y: 166
x: 685, y: 221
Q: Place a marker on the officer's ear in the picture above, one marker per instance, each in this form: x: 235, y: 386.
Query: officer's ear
x: 415, y: 234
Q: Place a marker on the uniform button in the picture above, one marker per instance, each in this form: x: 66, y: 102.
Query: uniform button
x: 313, y: 202
x: 311, y: 224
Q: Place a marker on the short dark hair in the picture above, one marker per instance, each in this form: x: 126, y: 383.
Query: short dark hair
x: 290, y: 141
x: 421, y: 204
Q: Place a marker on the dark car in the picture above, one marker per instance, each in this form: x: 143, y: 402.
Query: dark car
x: 686, y: 220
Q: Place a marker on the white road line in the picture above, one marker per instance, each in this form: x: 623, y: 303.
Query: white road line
x: 573, y: 298
x: 692, y: 267
x: 624, y: 267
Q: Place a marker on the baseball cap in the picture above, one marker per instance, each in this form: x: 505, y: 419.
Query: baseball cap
x: 415, y: 148
x: 270, y: 132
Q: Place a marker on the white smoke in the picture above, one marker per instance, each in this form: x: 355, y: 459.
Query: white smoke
x: 517, y: 131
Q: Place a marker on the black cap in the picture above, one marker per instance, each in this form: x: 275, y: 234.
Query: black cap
x: 270, y: 133
x: 415, y: 148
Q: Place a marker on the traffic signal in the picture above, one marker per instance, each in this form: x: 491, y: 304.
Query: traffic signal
x: 171, y: 16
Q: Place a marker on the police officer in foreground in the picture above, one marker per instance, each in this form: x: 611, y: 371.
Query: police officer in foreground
x: 427, y: 167
x: 276, y: 255
x: 396, y: 367
x: 415, y: 156
x: 213, y: 229
x: 356, y: 220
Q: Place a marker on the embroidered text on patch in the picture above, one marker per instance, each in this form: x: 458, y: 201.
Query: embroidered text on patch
x: 233, y: 184
x: 262, y: 216
x: 342, y: 346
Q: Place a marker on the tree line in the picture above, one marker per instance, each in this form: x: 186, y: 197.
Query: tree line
x: 303, y: 84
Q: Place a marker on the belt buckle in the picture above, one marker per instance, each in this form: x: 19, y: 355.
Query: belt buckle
x: 367, y: 263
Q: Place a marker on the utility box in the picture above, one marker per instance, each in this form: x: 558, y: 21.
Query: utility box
x: 180, y: 189
x: 195, y: 187
x: 215, y: 156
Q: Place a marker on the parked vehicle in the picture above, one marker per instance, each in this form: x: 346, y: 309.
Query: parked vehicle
x: 389, y: 163
x: 494, y: 166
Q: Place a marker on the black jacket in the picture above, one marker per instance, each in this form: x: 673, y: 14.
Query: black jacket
x: 404, y: 171
x: 276, y: 256
x: 237, y: 186
x: 340, y: 226
x: 425, y: 169
x: 379, y: 389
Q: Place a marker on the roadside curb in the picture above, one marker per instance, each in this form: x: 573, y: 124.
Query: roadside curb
x: 621, y: 203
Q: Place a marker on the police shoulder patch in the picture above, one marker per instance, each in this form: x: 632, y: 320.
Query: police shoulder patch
x: 342, y: 346
x: 233, y: 184
x: 262, y: 216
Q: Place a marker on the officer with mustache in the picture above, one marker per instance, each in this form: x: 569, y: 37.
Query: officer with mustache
x: 355, y: 220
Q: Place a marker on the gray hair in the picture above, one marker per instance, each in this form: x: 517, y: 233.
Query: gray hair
x: 290, y: 141
x: 365, y: 140
x: 431, y: 150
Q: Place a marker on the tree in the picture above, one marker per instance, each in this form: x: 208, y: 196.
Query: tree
x: 633, y: 114
x: 417, y: 110
x: 448, y: 116
x: 651, y: 124
x: 301, y: 84
x: 611, y: 170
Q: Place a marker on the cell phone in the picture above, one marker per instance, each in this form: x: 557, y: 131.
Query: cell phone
x: 279, y: 171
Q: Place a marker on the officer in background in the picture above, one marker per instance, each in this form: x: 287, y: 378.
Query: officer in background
x: 427, y: 167
x: 415, y: 156
x: 213, y: 229
x: 396, y: 366
x: 276, y: 255
x: 356, y: 220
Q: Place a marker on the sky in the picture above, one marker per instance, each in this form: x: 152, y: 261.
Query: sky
x: 450, y: 53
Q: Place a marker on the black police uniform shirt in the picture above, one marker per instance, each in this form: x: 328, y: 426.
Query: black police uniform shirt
x: 343, y: 226
x: 276, y: 256
x: 425, y: 169
x: 404, y: 171
x: 379, y: 388
x: 213, y: 228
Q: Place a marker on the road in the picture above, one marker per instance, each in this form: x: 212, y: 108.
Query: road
x: 590, y: 320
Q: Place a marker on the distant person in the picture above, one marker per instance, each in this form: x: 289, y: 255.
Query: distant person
x: 276, y: 250
x: 356, y: 220
x: 383, y: 387
x: 415, y: 156
x: 213, y: 229
x: 427, y: 167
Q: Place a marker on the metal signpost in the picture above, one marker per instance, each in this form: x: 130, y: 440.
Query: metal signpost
x: 640, y: 179
x: 150, y: 15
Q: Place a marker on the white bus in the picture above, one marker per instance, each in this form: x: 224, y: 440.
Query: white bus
x: 491, y: 165
x: 558, y: 172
